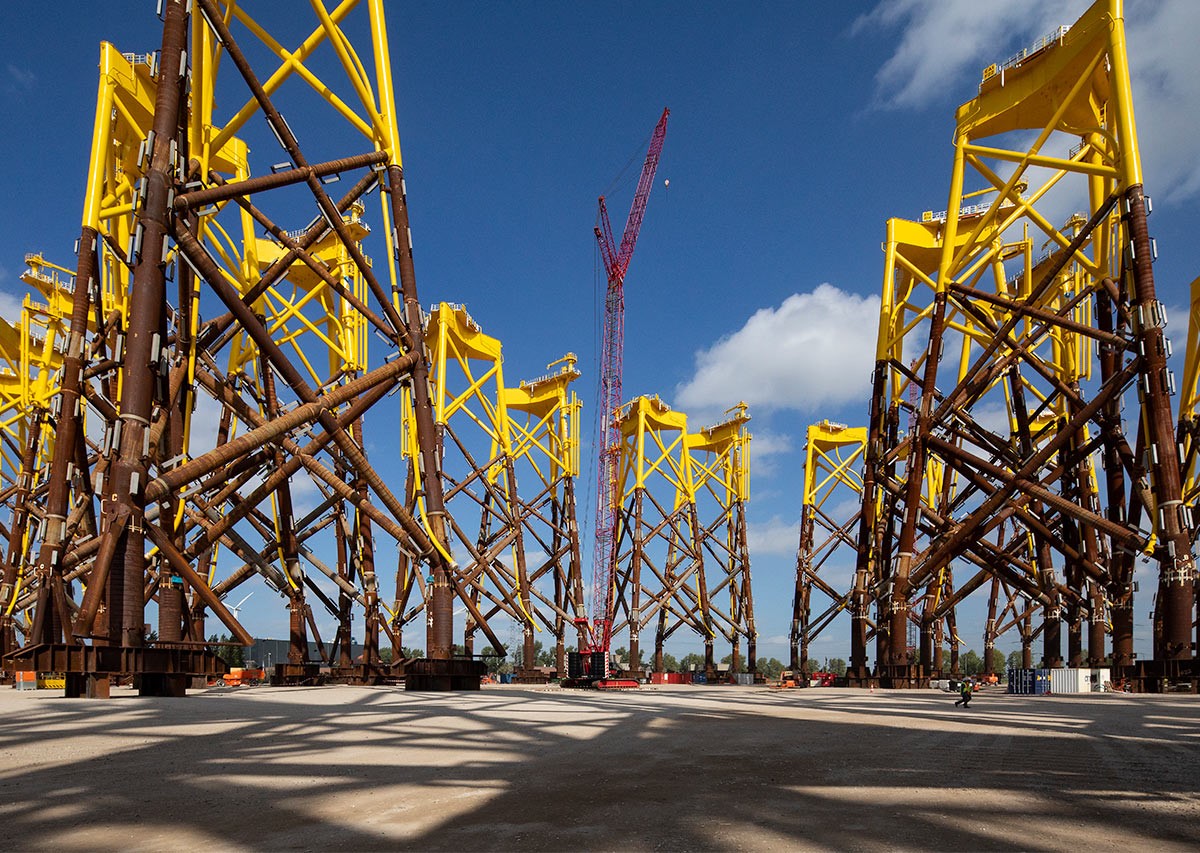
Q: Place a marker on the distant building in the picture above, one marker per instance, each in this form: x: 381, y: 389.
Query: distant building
x: 267, y: 653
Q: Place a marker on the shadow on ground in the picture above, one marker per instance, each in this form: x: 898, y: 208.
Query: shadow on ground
x: 377, y: 768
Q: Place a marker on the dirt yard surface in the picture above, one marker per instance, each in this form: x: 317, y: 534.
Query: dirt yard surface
x: 660, y: 768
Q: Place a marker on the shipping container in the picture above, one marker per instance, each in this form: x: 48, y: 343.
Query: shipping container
x: 1041, y: 682
x: 1070, y: 680
x: 1028, y: 682
x: 1101, y: 677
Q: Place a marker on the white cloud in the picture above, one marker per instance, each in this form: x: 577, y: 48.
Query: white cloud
x: 11, y: 305
x: 535, y: 558
x: 993, y: 416
x: 775, y: 536
x: 775, y: 641
x: 942, y: 44
x: 206, y: 420
x: 941, y: 48
x: 768, y: 444
x: 1166, y: 93
x: 844, y: 509
x: 305, y: 494
x: 838, y: 572
x: 812, y: 352
x: 765, y: 448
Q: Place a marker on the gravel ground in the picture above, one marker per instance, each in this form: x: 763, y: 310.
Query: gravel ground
x: 661, y: 768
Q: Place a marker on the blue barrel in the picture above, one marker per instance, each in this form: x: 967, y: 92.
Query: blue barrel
x: 506, y: 678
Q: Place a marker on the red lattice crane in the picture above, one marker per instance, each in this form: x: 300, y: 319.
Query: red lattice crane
x: 591, y: 665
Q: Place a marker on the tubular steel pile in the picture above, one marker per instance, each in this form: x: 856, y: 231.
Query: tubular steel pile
x: 181, y: 319
x: 1040, y: 458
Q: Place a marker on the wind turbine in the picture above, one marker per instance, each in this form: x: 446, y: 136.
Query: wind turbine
x: 237, y: 608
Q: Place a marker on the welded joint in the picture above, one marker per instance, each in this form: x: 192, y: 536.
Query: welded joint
x: 1181, y: 572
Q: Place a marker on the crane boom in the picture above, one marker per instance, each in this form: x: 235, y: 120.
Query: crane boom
x: 616, y: 263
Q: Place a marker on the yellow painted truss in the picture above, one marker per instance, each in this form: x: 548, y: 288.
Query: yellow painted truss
x: 680, y: 544
x: 521, y: 559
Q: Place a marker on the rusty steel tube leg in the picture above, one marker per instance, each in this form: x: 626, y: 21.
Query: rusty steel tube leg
x: 899, y: 604
x: 939, y: 637
x: 800, y: 597
x: 65, y: 436
x: 16, y: 532
x: 289, y: 546
x: 989, y: 631
x: 1177, y: 567
x: 576, y: 566
x: 174, y: 622
x: 1096, y: 626
x: 145, y: 337
x: 799, y: 602
x: 705, y: 602
x: 747, y: 593
x: 172, y: 597
x: 528, y: 658
x: 866, y: 525
x: 1121, y: 568
x: 1052, y: 636
x: 800, y: 657
x: 343, y: 637
x: 440, y: 606
x: 366, y: 545
x: 198, y: 584
x: 560, y: 599
x: 635, y: 583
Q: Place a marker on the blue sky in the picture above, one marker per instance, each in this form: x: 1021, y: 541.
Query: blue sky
x: 796, y: 130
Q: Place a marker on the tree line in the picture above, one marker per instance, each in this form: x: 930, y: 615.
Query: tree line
x: 970, y: 662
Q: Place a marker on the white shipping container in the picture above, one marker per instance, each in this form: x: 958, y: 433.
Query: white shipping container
x: 1070, y: 680
x: 1100, y: 677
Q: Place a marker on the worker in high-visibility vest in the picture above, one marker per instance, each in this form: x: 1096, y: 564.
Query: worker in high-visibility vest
x: 964, y: 692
